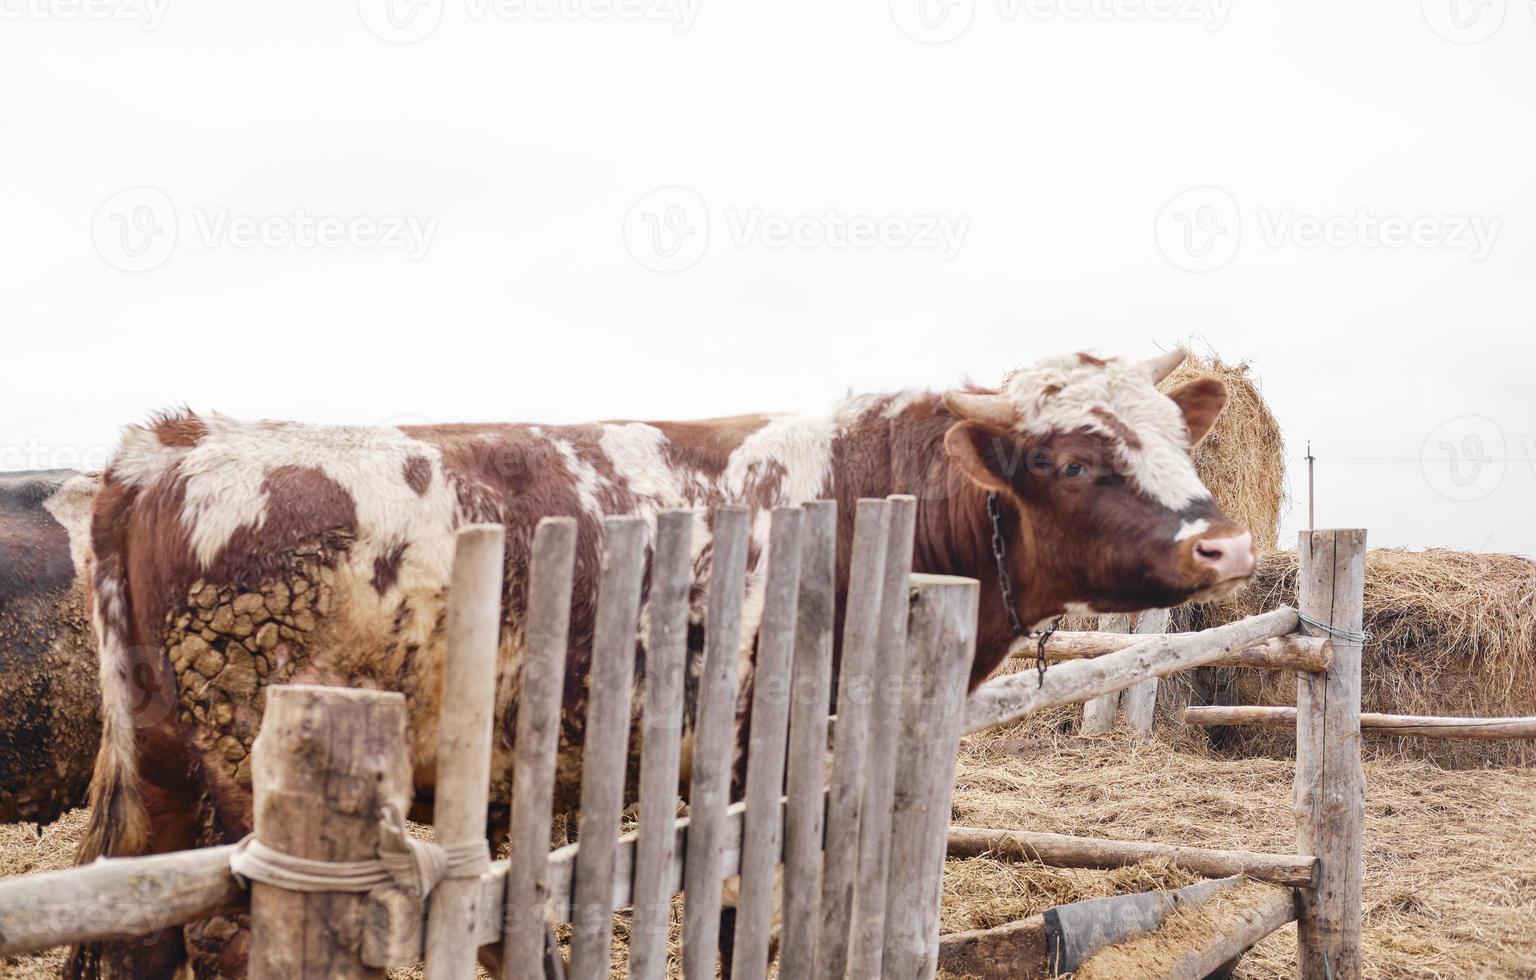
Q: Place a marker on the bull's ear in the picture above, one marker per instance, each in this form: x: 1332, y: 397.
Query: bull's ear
x: 987, y: 455
x: 1201, y: 401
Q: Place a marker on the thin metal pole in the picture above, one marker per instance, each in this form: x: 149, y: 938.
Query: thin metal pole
x: 1311, y: 512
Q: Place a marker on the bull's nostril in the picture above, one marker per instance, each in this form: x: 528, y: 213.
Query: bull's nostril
x: 1209, y: 554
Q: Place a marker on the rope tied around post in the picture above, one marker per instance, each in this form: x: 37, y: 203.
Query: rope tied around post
x: 415, y: 865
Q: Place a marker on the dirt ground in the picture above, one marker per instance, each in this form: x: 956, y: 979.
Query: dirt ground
x: 1450, y: 886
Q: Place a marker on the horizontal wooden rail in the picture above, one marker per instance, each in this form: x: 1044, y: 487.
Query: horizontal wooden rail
x: 1313, y: 654
x: 1427, y: 726
x: 1007, y: 699
x: 116, y: 898
x: 1066, y: 851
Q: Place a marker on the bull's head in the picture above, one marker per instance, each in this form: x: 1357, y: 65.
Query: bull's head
x: 1101, y: 504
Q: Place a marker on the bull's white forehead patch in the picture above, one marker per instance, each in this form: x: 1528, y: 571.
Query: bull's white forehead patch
x: 1115, y: 398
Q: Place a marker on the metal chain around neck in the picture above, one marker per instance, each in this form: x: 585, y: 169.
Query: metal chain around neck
x: 1005, y: 585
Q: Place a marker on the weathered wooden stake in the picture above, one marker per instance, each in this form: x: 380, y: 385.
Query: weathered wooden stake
x: 805, y: 812
x: 763, y: 823
x: 1330, y: 785
x: 941, y: 635
x: 866, y: 943
x: 464, y: 740
x: 326, y: 762
x: 605, y: 754
x: 541, y: 678
x: 1139, y: 703
x: 845, y: 794
x: 1099, y: 713
x: 713, y: 735
x: 661, y: 728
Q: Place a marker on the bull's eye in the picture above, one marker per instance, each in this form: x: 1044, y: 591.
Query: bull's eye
x: 1074, y: 468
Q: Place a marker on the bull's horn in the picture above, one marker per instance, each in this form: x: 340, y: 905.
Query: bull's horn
x: 989, y: 408
x: 1163, y: 365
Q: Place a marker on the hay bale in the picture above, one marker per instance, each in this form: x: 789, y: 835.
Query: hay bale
x: 1452, y: 633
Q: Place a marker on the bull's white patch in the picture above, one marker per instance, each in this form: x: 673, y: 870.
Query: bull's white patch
x: 1060, y: 394
x: 588, y: 481
x: 1189, y: 529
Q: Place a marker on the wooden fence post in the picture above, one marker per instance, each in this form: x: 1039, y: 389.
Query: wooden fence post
x: 464, y: 740
x: 327, y: 760
x: 941, y: 637
x: 1140, y: 702
x: 762, y: 826
x: 605, y: 755
x: 1330, y: 785
x: 1099, y: 713
x: 714, y: 735
x: 541, y: 678
x: 811, y: 681
x: 866, y: 942
x: 850, y: 738
x: 661, y: 730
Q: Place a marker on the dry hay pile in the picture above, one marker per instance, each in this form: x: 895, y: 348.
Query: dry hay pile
x: 1452, y: 633
x: 1450, y: 876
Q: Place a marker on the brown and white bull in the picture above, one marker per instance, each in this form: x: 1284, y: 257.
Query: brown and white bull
x: 233, y: 555
x: 49, y: 718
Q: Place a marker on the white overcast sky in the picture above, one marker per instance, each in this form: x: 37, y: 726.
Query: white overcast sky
x: 560, y: 210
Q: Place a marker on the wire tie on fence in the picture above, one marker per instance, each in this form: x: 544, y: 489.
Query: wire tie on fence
x: 415, y: 865
x: 1343, y: 634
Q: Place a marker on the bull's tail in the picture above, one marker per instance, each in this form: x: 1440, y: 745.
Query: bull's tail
x: 118, y: 825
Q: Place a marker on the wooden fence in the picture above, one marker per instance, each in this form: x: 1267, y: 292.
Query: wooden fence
x: 1321, y: 642
x: 856, y: 845
x: 337, y: 891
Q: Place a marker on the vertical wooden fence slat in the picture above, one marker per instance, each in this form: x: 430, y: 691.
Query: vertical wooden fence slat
x: 867, y: 941
x: 661, y: 729
x: 325, y: 763
x: 1330, y: 785
x: 464, y: 740
x: 1139, y: 702
x: 761, y: 842
x: 605, y: 755
x: 713, y: 745
x: 541, y: 680
x: 811, y: 687
x: 850, y: 738
x: 942, y: 637
x: 1099, y: 712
